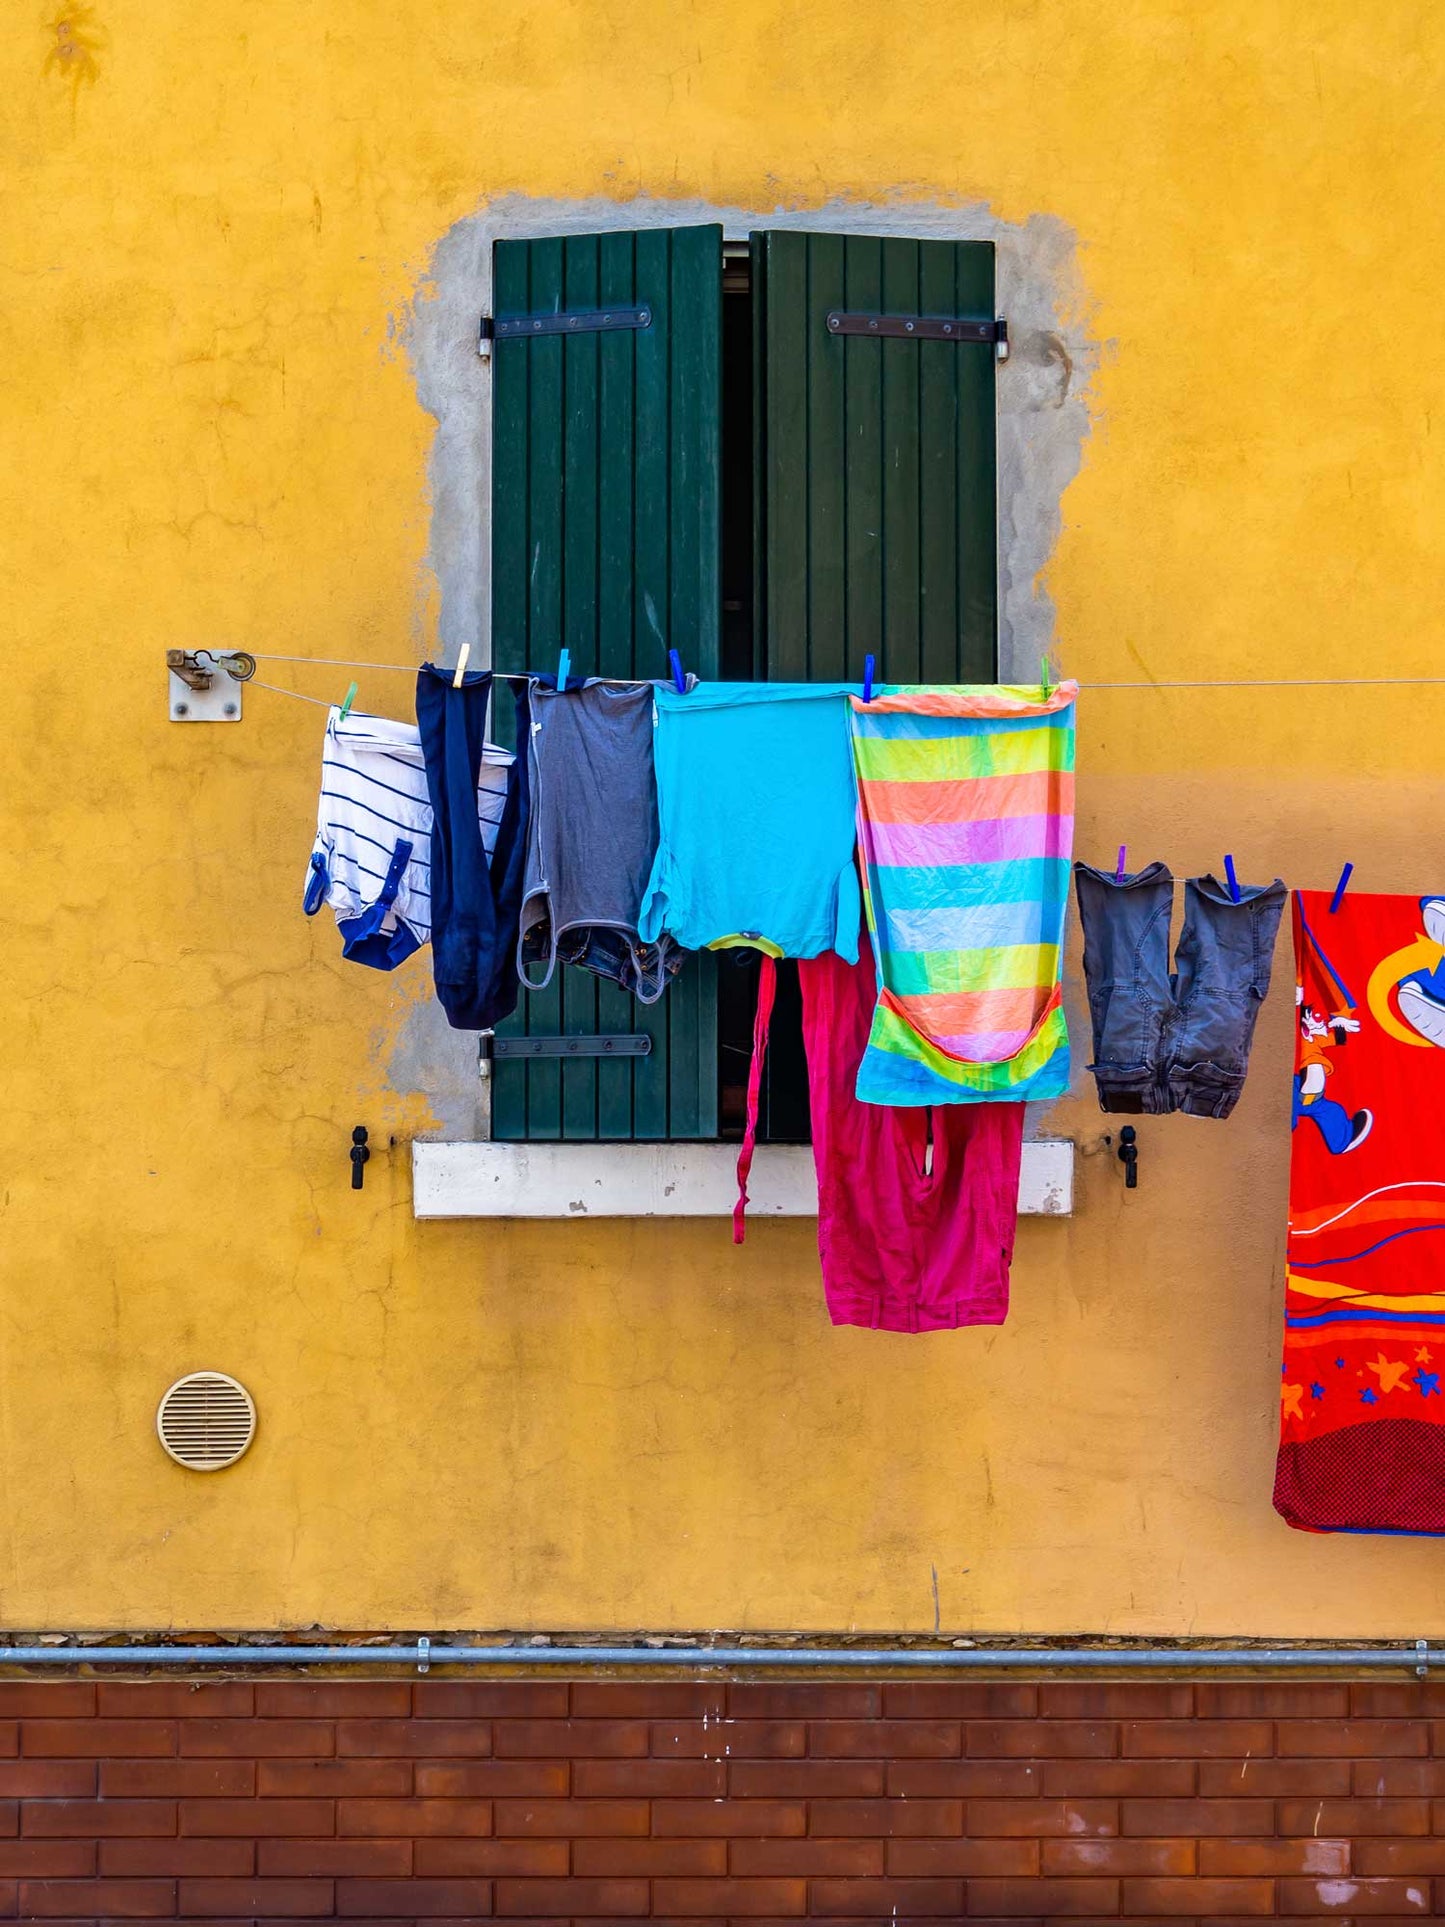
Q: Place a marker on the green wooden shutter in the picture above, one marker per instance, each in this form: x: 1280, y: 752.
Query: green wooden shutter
x: 875, y: 462
x: 874, y: 489
x: 605, y: 515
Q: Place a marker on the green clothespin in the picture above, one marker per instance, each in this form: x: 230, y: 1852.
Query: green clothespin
x: 347, y: 701
x: 1046, y: 688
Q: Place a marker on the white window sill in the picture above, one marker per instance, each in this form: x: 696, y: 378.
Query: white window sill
x: 489, y: 1180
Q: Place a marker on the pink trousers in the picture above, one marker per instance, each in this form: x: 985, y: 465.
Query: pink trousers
x: 905, y: 1247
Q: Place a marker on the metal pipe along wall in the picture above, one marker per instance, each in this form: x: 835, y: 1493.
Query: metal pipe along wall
x: 423, y: 1654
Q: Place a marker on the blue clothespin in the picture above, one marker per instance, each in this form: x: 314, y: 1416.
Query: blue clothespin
x: 679, y: 681
x: 1338, y: 897
x: 867, y: 679
x: 347, y: 700
x: 1231, y: 879
x: 1119, y: 872
x: 564, y: 663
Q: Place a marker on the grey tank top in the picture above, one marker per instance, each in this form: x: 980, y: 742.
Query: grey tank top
x: 592, y: 837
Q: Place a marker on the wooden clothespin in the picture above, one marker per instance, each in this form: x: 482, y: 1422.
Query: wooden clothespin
x: 1231, y: 879
x: 867, y: 679
x: 347, y: 700
x: 679, y: 681
x: 1340, y: 887
x: 462, y: 654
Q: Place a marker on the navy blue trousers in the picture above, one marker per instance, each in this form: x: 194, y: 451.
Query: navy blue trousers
x: 475, y: 906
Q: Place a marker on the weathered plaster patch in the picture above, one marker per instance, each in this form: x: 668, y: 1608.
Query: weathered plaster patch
x: 1042, y: 421
x: 429, y: 1057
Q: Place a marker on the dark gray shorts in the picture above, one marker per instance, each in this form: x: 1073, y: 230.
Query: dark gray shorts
x: 1174, y: 1041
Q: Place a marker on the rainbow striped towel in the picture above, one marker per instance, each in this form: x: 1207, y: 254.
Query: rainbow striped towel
x: 966, y: 825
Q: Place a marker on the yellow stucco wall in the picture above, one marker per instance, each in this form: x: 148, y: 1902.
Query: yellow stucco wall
x: 214, y: 222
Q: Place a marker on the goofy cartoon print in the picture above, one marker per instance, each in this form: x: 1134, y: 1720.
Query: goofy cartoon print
x: 1320, y: 989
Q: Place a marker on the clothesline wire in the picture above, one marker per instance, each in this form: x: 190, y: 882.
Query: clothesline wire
x: 1278, y: 682
x: 322, y: 702
x: 404, y: 668
x: 1241, y: 682
x: 336, y: 662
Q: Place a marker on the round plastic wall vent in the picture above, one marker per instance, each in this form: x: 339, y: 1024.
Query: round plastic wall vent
x: 206, y: 1420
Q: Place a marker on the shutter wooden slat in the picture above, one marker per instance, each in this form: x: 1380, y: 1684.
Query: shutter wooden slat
x: 652, y: 536
x: 611, y: 442
x: 902, y: 574
x: 511, y: 523
x: 695, y: 604
x: 938, y: 474
x: 827, y: 596
x: 977, y: 524
x: 580, y: 289
x: 617, y: 1105
x: 542, y: 1010
x: 863, y: 472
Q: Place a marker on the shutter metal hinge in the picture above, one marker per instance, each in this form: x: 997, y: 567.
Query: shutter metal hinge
x: 571, y: 321
x: 636, y: 1045
x: 922, y: 327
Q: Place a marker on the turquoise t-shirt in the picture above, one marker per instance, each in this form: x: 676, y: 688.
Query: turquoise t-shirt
x: 757, y: 819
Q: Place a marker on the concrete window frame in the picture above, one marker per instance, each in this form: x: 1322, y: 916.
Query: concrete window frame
x: 1043, y: 421
x: 1043, y: 415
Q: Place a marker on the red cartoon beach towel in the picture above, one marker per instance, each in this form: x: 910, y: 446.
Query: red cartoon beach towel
x: 1362, y: 1423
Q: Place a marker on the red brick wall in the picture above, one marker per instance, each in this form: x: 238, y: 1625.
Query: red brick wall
x: 591, y: 1801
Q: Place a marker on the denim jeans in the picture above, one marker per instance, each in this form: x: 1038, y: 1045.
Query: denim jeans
x: 1174, y: 1042
x: 644, y: 969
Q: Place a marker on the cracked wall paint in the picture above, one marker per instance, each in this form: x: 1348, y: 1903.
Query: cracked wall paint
x: 231, y: 421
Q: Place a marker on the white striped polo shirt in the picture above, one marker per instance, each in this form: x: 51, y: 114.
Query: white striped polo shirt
x: 371, y: 860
